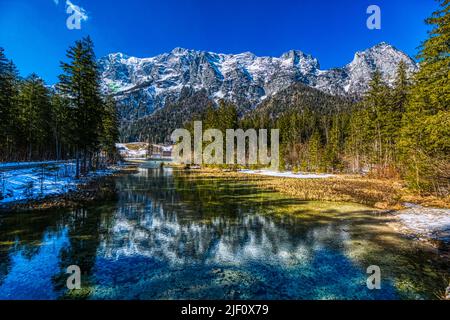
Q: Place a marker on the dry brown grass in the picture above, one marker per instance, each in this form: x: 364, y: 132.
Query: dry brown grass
x: 380, y: 193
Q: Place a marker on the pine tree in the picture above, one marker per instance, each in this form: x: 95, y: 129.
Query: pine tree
x: 210, y: 118
x: 392, y: 119
x: 59, y: 124
x: 357, y: 142
x: 227, y: 116
x: 377, y: 105
x: 425, y: 139
x: 315, y: 152
x: 80, y: 84
x: 5, y: 103
x: 34, y: 116
x: 8, y: 92
x: 333, y: 147
x: 401, y: 89
x: 110, y: 126
x: 285, y: 141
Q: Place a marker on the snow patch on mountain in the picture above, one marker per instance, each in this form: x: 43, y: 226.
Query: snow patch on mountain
x: 146, y: 84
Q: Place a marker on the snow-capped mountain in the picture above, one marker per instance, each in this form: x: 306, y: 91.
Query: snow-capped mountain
x: 355, y: 77
x: 144, y: 85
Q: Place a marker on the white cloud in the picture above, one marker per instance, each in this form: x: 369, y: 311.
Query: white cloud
x: 78, y: 11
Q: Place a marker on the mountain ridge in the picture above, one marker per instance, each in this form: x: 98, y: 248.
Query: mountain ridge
x: 143, y: 86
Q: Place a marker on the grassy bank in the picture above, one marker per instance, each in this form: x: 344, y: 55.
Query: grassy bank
x: 380, y: 193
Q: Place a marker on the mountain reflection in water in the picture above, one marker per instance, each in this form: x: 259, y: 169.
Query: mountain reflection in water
x: 173, y: 235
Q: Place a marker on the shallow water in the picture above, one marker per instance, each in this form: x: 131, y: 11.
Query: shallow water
x: 172, y: 235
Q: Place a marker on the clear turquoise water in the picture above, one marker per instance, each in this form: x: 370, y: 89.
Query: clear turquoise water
x: 170, y: 235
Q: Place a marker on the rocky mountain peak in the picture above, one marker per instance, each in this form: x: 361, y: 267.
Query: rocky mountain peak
x: 382, y: 57
x: 179, y: 51
x: 305, y: 62
x: 145, y: 84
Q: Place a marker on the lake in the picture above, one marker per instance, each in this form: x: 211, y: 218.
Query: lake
x: 171, y: 234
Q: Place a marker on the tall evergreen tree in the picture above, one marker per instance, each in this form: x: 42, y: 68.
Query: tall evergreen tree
x: 392, y: 119
x: 59, y: 124
x: 227, y: 116
x: 80, y: 84
x: 356, y: 143
x: 377, y: 105
x: 34, y: 111
x: 425, y: 141
x: 333, y: 147
x: 8, y: 92
x: 315, y: 152
x: 401, y: 89
x: 110, y: 125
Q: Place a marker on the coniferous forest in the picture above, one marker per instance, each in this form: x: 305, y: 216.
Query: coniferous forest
x: 394, y: 131
x: 71, y: 120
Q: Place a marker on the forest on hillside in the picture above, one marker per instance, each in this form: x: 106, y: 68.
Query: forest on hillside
x: 399, y: 131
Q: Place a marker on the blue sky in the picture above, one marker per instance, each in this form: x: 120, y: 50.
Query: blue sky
x: 35, y: 36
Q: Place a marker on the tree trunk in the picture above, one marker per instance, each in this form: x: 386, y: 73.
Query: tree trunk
x: 84, y: 161
x: 90, y: 162
x: 78, y: 164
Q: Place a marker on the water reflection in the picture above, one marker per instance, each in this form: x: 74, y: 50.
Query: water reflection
x: 170, y: 235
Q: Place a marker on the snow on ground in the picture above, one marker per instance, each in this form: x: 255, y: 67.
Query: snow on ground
x: 133, y: 150
x: 7, y: 165
x: 27, y: 180
x: 427, y: 222
x: 288, y: 174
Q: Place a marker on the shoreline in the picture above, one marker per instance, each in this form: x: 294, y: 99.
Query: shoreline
x: 382, y: 195
x: 93, y: 188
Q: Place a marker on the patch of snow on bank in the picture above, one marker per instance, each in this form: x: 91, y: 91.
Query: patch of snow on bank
x: 7, y: 165
x: 288, y: 174
x: 26, y: 182
x: 36, y: 182
x: 429, y: 222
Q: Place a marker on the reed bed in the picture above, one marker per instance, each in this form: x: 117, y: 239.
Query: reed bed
x: 379, y: 193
